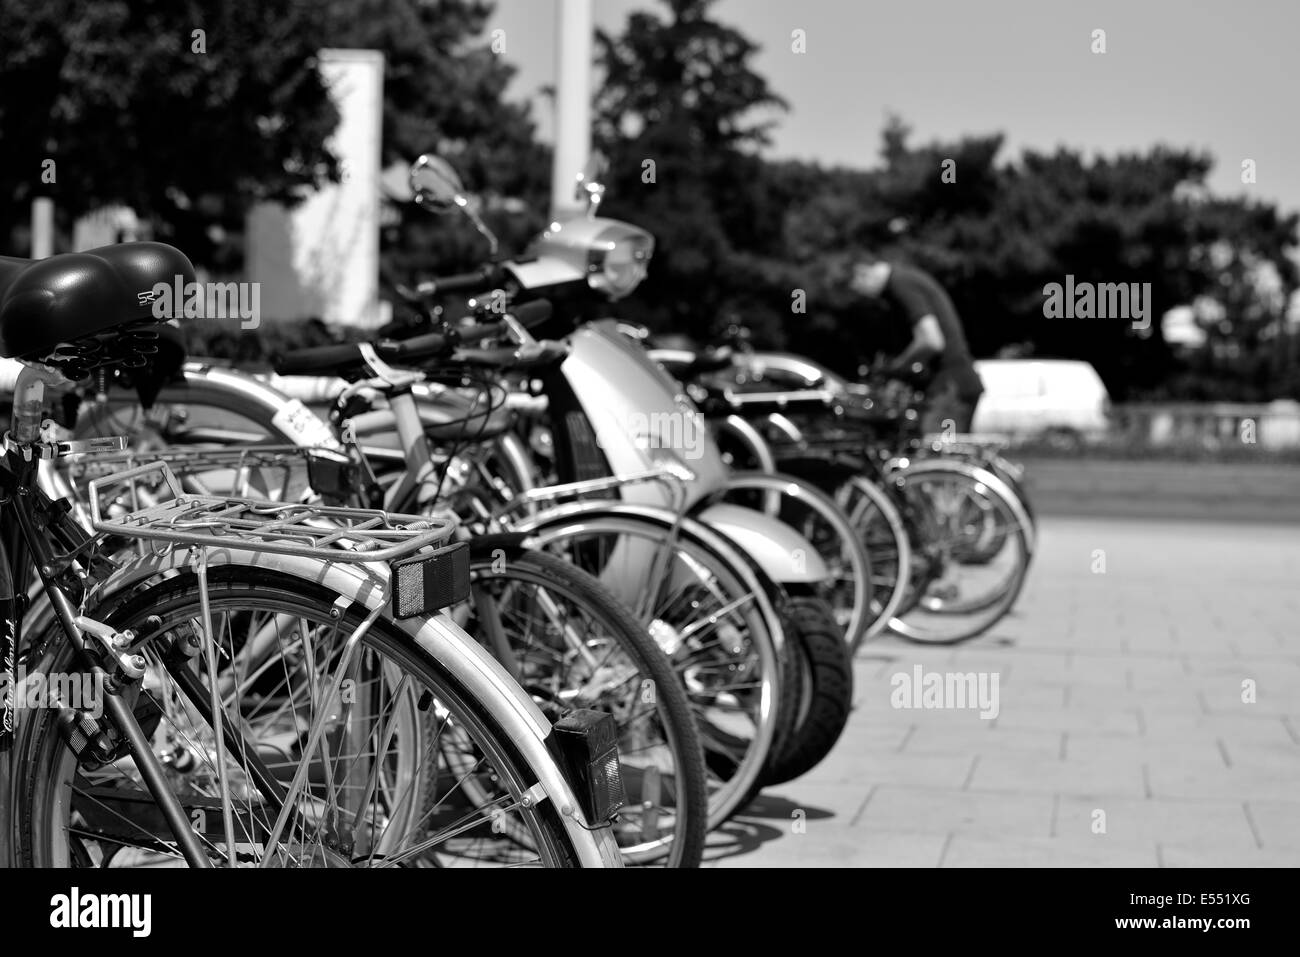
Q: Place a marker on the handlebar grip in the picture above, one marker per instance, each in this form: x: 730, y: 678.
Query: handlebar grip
x: 418, y: 348
x: 458, y: 282
x: 496, y: 358
x: 313, y: 360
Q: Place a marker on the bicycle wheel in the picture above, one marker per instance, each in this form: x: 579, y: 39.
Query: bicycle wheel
x: 883, y: 533
x: 714, y: 623
x: 569, y: 644
x: 992, y: 537
x: 382, y: 786
x: 956, y: 594
x: 823, y: 523
x: 825, y: 683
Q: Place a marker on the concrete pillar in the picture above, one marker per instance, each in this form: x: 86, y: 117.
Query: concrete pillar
x: 321, y: 259
x: 574, y: 41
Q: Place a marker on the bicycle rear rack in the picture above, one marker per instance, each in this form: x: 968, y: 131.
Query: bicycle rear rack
x: 280, y: 473
x: 327, y: 533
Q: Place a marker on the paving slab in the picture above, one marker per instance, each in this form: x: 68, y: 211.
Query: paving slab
x: 1119, y: 693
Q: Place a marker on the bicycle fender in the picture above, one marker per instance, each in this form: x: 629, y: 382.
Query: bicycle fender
x: 786, y: 556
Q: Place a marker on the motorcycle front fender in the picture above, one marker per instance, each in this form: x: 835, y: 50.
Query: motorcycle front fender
x: 786, y: 556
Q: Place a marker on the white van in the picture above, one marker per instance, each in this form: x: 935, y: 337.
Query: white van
x: 1028, y: 397
x: 1063, y: 399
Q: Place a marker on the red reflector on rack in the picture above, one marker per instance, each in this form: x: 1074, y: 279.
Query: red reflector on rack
x: 425, y: 583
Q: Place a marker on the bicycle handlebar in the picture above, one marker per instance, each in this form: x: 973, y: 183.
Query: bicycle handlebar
x: 458, y: 282
x: 326, y: 358
x: 528, y: 315
x: 347, y: 357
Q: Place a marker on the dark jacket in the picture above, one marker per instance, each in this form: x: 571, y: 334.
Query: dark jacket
x: 915, y: 294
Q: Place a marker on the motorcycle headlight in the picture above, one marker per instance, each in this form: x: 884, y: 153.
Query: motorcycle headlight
x: 611, y: 255
x: 618, y: 262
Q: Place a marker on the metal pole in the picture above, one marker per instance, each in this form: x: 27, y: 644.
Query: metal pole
x: 42, y: 227
x: 574, y: 42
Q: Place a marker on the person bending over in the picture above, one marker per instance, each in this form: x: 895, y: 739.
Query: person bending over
x: 938, y: 341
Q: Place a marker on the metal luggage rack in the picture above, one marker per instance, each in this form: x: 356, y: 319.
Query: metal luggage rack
x: 354, y: 535
x: 252, y: 456
x: 281, y: 473
x: 99, y: 464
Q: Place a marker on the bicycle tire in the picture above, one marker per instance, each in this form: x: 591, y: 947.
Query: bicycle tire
x: 825, y: 684
x: 997, y: 604
x: 685, y: 846
x: 42, y: 749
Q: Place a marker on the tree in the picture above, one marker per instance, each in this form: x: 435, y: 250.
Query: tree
x: 680, y: 115
x: 135, y: 108
x: 117, y: 96
x: 1002, y: 229
x: 444, y: 92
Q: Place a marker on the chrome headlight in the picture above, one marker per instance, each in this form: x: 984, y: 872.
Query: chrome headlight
x: 611, y: 255
x: 619, y: 262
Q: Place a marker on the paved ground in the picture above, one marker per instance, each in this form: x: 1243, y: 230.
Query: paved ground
x: 1122, y: 737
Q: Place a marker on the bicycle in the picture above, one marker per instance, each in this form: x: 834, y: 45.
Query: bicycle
x: 190, y: 746
x: 553, y: 628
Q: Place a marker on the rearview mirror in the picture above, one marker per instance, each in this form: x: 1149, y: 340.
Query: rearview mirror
x: 437, y: 187
x: 436, y: 184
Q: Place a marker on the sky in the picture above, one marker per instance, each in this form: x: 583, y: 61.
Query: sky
x: 1217, y: 75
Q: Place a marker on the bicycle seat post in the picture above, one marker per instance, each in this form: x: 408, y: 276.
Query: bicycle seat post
x: 29, y: 402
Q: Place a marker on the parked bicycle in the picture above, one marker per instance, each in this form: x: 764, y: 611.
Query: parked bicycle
x: 269, y: 684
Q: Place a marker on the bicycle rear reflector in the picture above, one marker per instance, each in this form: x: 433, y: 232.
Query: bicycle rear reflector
x: 588, y: 744
x: 430, y: 581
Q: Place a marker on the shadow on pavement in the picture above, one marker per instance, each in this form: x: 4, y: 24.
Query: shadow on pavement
x: 746, y: 833
x: 778, y: 808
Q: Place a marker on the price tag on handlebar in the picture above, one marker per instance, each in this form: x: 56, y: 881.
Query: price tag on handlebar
x: 303, y: 427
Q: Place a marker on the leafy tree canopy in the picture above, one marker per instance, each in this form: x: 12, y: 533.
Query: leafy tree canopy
x: 134, y: 108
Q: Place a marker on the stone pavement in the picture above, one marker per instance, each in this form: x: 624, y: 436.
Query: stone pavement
x: 1122, y: 737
